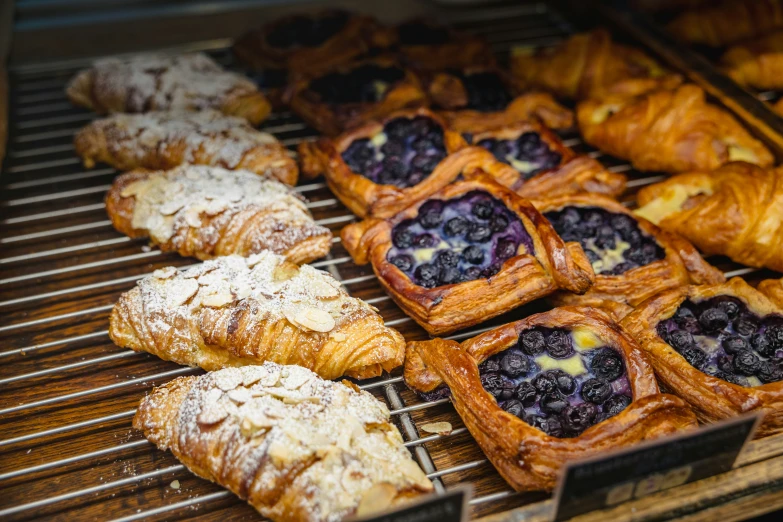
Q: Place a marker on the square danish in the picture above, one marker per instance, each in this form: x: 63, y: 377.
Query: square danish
x: 719, y: 347
x: 426, y: 45
x: 470, y: 252
x: 479, y: 98
x: 353, y: 93
x: 545, y: 165
x: 632, y: 258
x: 554, y: 387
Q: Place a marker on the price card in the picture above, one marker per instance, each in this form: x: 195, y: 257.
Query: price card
x: 612, y: 478
x: 451, y: 506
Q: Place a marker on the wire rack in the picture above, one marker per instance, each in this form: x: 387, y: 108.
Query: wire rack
x: 67, y: 449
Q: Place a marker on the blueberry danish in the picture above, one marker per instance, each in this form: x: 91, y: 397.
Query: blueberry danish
x: 719, y: 347
x: 553, y: 387
x: 632, y: 258
x: 469, y: 252
x: 426, y: 45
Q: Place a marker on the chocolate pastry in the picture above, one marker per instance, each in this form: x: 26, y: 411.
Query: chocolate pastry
x: 632, y: 258
x: 480, y: 98
x: 719, y: 347
x: 554, y: 387
x: 354, y: 93
x: 727, y: 22
x: 426, y: 45
x: 469, y: 252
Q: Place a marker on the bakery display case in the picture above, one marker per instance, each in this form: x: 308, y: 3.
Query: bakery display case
x: 518, y: 130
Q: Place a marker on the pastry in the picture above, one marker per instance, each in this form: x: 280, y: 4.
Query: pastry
x: 303, y: 43
x: 470, y: 252
x: 719, y: 347
x: 205, y: 212
x: 773, y: 289
x: 588, y: 65
x: 236, y: 311
x: 545, y: 167
x: 426, y: 45
x: 295, y: 447
x: 668, y: 130
x: 354, y: 93
x: 735, y: 211
x: 758, y: 63
x: 157, y: 82
x: 632, y: 258
x: 480, y: 98
x: 163, y: 140
x: 554, y: 387
x: 727, y: 22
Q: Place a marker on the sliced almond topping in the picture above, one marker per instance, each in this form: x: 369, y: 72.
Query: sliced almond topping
x: 338, y: 336
x: 377, y: 498
x: 239, y: 395
x: 441, y: 428
x: 321, y: 289
x: 171, y: 207
x: 132, y: 189
x: 252, y: 374
x: 193, y: 216
x: 212, y: 413
x: 165, y: 273
x: 179, y: 291
x: 217, y: 300
x: 284, y: 271
x: 228, y: 379
x: 313, y: 319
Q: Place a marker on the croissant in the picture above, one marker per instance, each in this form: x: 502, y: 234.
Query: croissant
x: 236, y: 311
x: 470, y: 252
x: 728, y: 22
x: 151, y: 82
x: 554, y: 387
x: 295, y: 447
x: 735, y: 211
x: 163, y: 140
x: 588, y: 65
x: 718, y: 347
x: 427, y: 45
x: 758, y: 63
x: 632, y: 258
x: 668, y: 130
x: 205, y: 212
x: 304, y: 43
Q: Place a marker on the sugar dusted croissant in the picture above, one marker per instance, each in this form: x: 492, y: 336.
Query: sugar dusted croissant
x: 668, y: 130
x: 205, y: 212
x: 163, y: 140
x: 728, y: 21
x: 588, y: 65
x: 235, y: 311
x: 735, y: 211
x: 758, y: 63
x: 150, y: 82
x: 295, y: 447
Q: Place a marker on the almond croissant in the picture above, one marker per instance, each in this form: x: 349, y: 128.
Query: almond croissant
x: 296, y: 447
x: 163, y: 140
x: 235, y: 311
x: 668, y: 130
x: 735, y: 211
x: 728, y: 22
x: 758, y: 63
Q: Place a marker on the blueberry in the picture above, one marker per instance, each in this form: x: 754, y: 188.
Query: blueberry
x: 745, y: 325
x: 479, y: 233
x: 514, y: 407
x: 473, y: 254
x: 770, y: 371
x: 447, y: 258
x: 425, y: 163
x: 761, y: 344
x: 422, y: 144
x: 680, y: 339
x: 775, y: 335
x: 558, y: 344
x: 498, y: 223
x: 393, y: 148
x: 633, y: 238
x: 532, y: 342
x: 491, y: 270
x: 507, y: 388
x: 746, y: 363
x: 456, y: 226
x: 615, y: 404
x: 695, y: 356
x: 690, y: 324
x: 528, y: 141
x: 505, y: 249
x: 526, y: 393
x: 713, y: 319
x: 623, y: 223
x: 493, y: 383
x: 551, y: 426
x: 607, y: 364
x: 430, y: 219
x: 592, y: 256
x: 734, y: 343
x: 472, y: 273
x: 544, y: 383
x: 729, y: 377
x: 425, y: 241
x: 449, y: 275
x: 605, y: 237
x: 393, y: 167
x: 402, y: 238
x: 663, y: 332
x: 397, y: 128
x: 514, y: 364
x: 421, y: 125
x: 552, y: 403
x: 403, y: 262
x: 596, y: 391
x: 578, y: 418
x: 565, y: 383
x: 490, y: 365
x: 427, y: 275
x: 725, y: 364
x: 482, y: 210
x: 591, y: 222
x: 728, y: 304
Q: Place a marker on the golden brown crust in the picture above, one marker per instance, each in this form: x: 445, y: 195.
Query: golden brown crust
x: 332, y: 119
x: 234, y: 311
x: 146, y: 83
x: 574, y: 173
x: 668, y: 130
x: 268, y: 216
x: 758, y: 63
x: 164, y: 140
x: 461, y: 50
x: 619, y: 294
x: 712, y: 398
x: 736, y: 211
x: 359, y: 34
x: 589, y: 65
x: 773, y: 289
x: 728, y: 22
x: 526, y: 457
x: 451, y: 307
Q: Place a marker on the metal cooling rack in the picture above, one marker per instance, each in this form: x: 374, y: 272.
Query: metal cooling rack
x: 67, y: 449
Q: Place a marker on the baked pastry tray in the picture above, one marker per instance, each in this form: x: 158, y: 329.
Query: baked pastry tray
x: 67, y: 449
